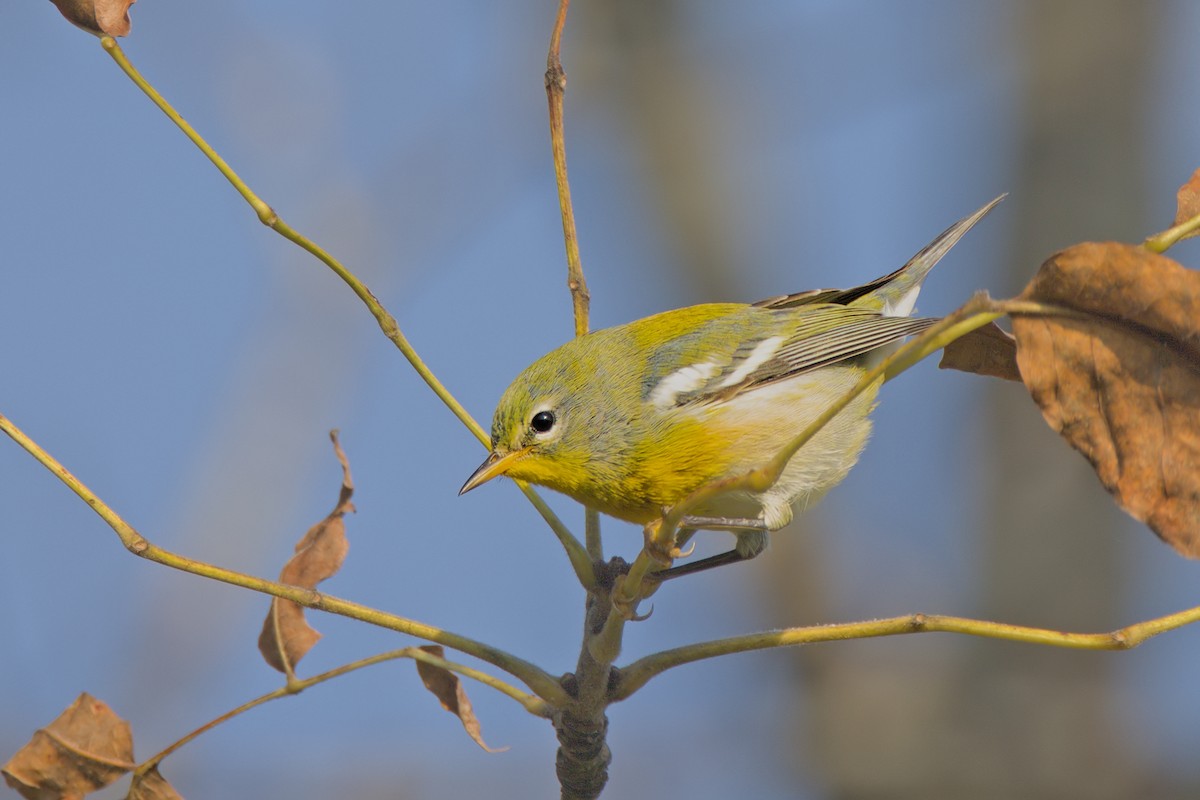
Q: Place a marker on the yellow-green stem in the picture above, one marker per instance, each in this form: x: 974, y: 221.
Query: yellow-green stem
x: 556, y: 87
x: 581, y: 561
x: 639, y: 672
x: 576, y: 553
x: 542, y: 683
x: 272, y: 220
x: 977, y: 312
x: 1161, y: 242
x: 532, y: 704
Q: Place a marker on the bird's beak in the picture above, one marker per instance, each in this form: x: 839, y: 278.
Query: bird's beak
x: 495, y: 464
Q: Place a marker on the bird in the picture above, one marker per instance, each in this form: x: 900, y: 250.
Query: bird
x: 632, y: 419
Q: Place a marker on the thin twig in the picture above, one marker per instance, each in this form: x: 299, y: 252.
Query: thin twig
x: 641, y: 671
x: 272, y: 220
x: 542, y: 683
x: 583, y: 755
x: 578, y: 557
x: 977, y: 312
x: 531, y: 703
x: 556, y: 88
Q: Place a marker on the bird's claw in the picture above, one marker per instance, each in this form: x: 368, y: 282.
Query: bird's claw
x: 677, y: 553
x: 663, y: 554
x: 626, y: 606
x: 632, y: 615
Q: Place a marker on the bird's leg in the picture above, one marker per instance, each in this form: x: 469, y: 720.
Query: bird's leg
x: 734, y: 524
x: 753, y: 529
x: 719, y: 560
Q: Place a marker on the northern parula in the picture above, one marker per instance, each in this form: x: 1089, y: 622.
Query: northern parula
x: 632, y: 419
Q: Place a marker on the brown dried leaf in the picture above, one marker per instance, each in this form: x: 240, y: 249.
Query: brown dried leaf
x: 989, y: 351
x: 1188, y: 200
x: 1120, y: 378
x: 101, y: 17
x: 152, y: 786
x: 448, y: 689
x: 286, y: 636
x: 85, y: 749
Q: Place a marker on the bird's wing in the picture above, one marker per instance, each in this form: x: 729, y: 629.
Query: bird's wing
x: 821, y: 296
x: 745, y: 351
x: 841, y: 343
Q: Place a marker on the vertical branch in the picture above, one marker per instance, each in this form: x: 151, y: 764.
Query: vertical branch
x: 556, y: 89
x: 582, y: 726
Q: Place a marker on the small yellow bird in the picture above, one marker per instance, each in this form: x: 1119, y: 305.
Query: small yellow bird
x: 632, y: 419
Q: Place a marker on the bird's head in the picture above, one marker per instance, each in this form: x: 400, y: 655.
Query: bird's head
x: 540, y: 428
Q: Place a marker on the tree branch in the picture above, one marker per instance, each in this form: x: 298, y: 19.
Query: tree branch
x: 542, y: 683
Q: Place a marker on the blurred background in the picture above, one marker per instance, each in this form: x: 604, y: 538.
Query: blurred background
x: 187, y: 364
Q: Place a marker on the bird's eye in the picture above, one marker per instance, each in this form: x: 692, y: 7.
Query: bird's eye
x: 542, y: 422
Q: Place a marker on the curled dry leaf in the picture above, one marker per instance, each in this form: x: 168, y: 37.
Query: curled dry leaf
x: 286, y: 636
x: 85, y: 749
x: 101, y: 17
x: 152, y: 786
x: 1117, y: 374
x: 448, y: 689
x: 989, y: 351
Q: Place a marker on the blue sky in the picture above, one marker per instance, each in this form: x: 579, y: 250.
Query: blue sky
x: 187, y: 363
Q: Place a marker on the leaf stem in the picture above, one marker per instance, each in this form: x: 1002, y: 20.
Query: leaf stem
x: 1161, y: 242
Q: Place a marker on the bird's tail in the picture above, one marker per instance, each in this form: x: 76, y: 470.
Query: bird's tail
x: 894, y: 294
x: 898, y: 291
